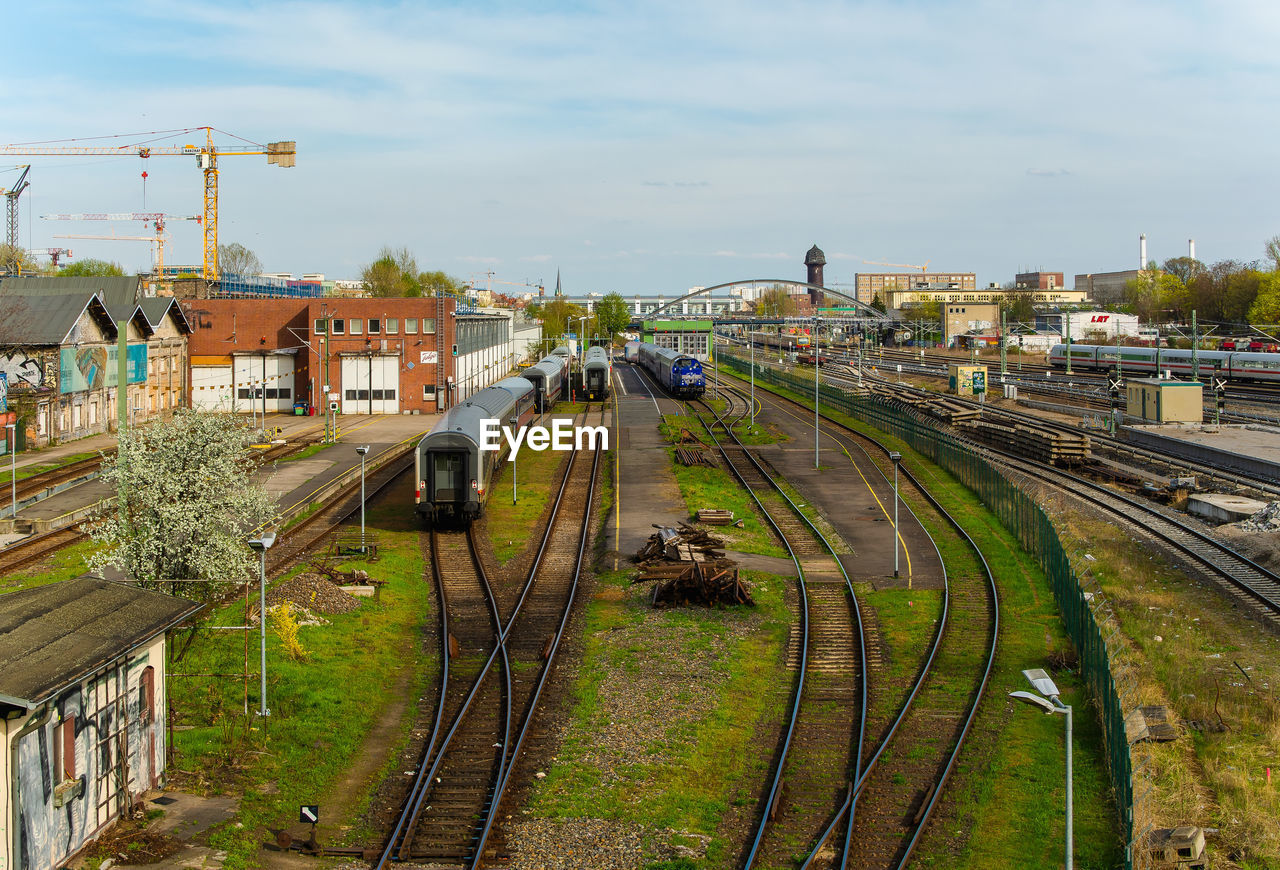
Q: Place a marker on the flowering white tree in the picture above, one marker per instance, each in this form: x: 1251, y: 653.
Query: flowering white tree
x: 189, y: 503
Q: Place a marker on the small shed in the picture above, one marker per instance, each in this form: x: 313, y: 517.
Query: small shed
x: 1156, y: 400
x: 82, y: 711
x: 966, y: 380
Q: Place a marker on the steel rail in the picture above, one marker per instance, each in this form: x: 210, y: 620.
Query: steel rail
x: 798, y: 692
x: 413, y: 807
x: 544, y: 672
x: 850, y: 805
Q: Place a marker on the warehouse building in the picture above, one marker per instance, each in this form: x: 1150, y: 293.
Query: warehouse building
x: 369, y: 356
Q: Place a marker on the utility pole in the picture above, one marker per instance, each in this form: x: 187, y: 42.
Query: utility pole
x: 1066, y: 320
x: 1004, y: 349
x: 1195, y: 348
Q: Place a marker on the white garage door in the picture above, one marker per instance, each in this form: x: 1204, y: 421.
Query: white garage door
x: 272, y: 374
x: 371, y: 385
x: 211, y: 388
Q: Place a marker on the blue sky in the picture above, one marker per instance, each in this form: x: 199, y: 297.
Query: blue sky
x: 655, y: 146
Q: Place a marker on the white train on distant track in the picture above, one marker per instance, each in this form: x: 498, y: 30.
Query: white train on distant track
x: 1152, y: 361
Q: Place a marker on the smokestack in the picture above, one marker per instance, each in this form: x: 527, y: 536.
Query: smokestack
x: 1142, y: 252
x: 1191, y: 248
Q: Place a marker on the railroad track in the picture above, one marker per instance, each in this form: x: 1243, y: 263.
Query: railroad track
x: 494, y: 668
x: 891, y: 797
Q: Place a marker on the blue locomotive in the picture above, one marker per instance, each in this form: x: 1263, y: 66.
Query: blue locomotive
x: 678, y: 373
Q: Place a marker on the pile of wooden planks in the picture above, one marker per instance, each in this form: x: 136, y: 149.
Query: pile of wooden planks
x: 709, y: 584
x: 683, y: 544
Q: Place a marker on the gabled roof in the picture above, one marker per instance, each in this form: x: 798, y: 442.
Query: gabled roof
x: 157, y: 307
x: 115, y: 291
x: 48, y: 319
x: 53, y: 636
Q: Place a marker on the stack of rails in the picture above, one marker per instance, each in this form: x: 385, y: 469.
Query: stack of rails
x: 941, y: 407
x: 596, y: 370
x: 1043, y: 444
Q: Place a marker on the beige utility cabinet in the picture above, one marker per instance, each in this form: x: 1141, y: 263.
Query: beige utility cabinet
x: 967, y: 380
x: 1159, y: 401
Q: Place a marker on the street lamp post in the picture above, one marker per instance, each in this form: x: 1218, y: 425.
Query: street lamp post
x: 817, y: 369
x: 260, y: 546
x: 13, y: 466
x: 362, y: 451
x: 513, y: 421
x: 753, y: 382
x: 1044, y: 684
x: 896, y: 457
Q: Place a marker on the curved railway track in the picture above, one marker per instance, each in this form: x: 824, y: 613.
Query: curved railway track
x: 494, y: 668
x: 890, y: 798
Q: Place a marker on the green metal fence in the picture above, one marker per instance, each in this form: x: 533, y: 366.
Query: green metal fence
x: 1019, y: 513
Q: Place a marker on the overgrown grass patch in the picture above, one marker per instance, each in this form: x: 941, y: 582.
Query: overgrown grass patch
x: 666, y: 706
x: 6, y: 473
x: 536, y: 477
x: 321, y: 707
x: 65, y: 564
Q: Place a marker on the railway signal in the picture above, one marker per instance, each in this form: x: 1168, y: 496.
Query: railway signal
x: 1220, y: 389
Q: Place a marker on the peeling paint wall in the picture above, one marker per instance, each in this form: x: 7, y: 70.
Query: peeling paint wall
x: 109, y: 712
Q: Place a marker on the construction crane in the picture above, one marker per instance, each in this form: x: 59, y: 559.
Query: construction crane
x: 490, y: 281
x: 207, y: 155
x: 154, y: 219
x: 11, y: 200
x: 924, y: 268
x: 157, y: 241
x: 54, y: 254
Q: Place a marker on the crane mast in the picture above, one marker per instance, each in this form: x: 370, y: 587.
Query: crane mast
x: 11, y: 206
x: 277, y: 153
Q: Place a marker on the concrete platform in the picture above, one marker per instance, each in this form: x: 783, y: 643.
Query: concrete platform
x: 1253, y: 450
x: 646, y: 489
x: 1223, y: 508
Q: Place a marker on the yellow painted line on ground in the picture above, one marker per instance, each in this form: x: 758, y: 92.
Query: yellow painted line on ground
x: 888, y: 516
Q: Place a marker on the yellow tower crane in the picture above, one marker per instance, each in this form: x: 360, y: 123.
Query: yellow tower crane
x: 207, y: 155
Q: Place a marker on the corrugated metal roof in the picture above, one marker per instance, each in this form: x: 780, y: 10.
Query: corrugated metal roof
x: 46, y: 319
x: 53, y: 636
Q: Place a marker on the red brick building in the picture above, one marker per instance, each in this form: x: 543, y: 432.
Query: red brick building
x: 380, y: 356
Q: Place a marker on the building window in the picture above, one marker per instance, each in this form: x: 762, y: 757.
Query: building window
x: 339, y: 326
x: 411, y: 326
x: 320, y: 326
x: 428, y: 325
x: 375, y: 326
x: 357, y: 326
x: 64, y: 749
x: 428, y: 392
x: 393, y: 326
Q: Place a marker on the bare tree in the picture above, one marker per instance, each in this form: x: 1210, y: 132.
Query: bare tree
x: 238, y: 259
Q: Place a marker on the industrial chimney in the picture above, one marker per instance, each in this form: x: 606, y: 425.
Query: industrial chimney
x: 1191, y: 248
x: 1142, y: 252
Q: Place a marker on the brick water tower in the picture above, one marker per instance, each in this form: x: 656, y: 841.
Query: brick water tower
x: 814, y: 261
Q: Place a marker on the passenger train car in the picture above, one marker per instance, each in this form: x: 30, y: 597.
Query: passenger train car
x: 548, y: 377
x: 451, y: 470
x: 596, y: 370
x: 1234, y: 366
x: 678, y: 373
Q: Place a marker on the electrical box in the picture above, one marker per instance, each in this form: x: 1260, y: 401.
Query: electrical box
x: 967, y: 380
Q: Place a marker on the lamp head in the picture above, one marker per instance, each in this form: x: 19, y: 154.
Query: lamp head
x: 1042, y: 682
x: 895, y: 456
x: 1034, y: 700
x: 262, y: 544
x: 363, y: 449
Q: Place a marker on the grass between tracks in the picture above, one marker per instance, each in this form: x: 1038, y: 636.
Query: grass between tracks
x: 535, y: 475
x: 65, y: 564
x: 1005, y: 800
x: 39, y: 468
x: 321, y: 707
